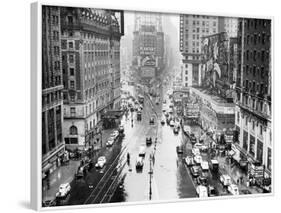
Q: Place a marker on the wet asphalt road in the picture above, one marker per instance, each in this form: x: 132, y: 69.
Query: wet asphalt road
x: 119, y: 181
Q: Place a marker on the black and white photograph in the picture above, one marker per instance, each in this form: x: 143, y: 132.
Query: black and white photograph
x: 143, y: 106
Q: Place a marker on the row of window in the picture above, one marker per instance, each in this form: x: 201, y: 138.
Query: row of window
x: 255, y: 55
x: 257, y: 38
x: 256, y: 71
x: 255, y: 87
x: 51, y: 97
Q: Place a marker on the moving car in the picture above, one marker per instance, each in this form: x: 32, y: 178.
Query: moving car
x: 121, y: 129
x: 204, y: 166
x: 189, y: 161
x: 179, y: 149
x: 64, y: 189
x: 195, y: 151
x: 101, y: 162
x: 198, y: 159
x: 172, y: 123
x: 110, y: 141
x: 148, y: 141
x: 202, y: 191
x: 142, y: 151
x: 176, y: 130
x: 151, y: 121
x: 139, y: 163
x: 233, y: 189
x: 195, y: 171
x: 225, y: 180
x: 214, y: 165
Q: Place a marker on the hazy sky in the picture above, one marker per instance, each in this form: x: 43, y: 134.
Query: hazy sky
x: 130, y: 15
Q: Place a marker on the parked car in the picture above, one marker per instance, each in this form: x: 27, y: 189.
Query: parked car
x: 197, y: 159
x: 110, y: 141
x: 142, y: 151
x: 225, y: 180
x: 202, y: 191
x: 205, y: 166
x: 193, y: 139
x: 163, y: 121
x: 233, y: 189
x: 139, y: 163
x: 49, y: 203
x: 195, y: 171
x: 189, y: 161
x: 214, y: 165
x: 195, y: 151
x: 212, y: 191
x: 101, y: 162
x: 64, y: 190
x: 197, y: 145
x: 202, y: 180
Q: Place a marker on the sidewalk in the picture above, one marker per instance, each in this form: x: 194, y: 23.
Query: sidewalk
x: 236, y: 173
x: 65, y: 173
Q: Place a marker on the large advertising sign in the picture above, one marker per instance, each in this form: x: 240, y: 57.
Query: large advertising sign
x: 148, y: 72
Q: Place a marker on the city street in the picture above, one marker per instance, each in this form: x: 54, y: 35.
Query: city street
x: 152, y: 107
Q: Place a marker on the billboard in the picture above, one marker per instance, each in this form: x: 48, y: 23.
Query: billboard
x: 147, y: 72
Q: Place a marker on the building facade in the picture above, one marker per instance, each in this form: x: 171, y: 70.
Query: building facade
x: 52, y: 103
x: 254, y: 108
x: 228, y: 25
x: 90, y: 43
x: 192, y: 28
x: 148, y: 45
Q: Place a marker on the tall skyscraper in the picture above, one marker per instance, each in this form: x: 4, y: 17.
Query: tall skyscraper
x: 52, y: 118
x: 192, y: 29
x: 148, y: 45
x: 91, y: 70
x: 228, y: 25
x: 254, y: 107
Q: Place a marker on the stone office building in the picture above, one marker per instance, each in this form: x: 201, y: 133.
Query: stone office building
x: 192, y: 28
x: 91, y: 70
x: 254, y: 108
x: 52, y: 138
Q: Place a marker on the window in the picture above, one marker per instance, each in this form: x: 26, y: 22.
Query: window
x: 252, y: 145
x: 261, y: 130
x: 72, y: 84
x: 71, y: 58
x: 71, y: 71
x: 72, y: 97
x: 73, y: 130
x: 269, y: 159
x: 70, y: 19
x: 70, y: 45
x: 253, y: 125
x: 72, y: 111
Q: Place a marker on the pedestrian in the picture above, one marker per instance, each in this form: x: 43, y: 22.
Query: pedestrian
x: 241, y: 179
x: 237, y: 181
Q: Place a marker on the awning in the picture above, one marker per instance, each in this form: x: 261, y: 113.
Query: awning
x: 47, y: 167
